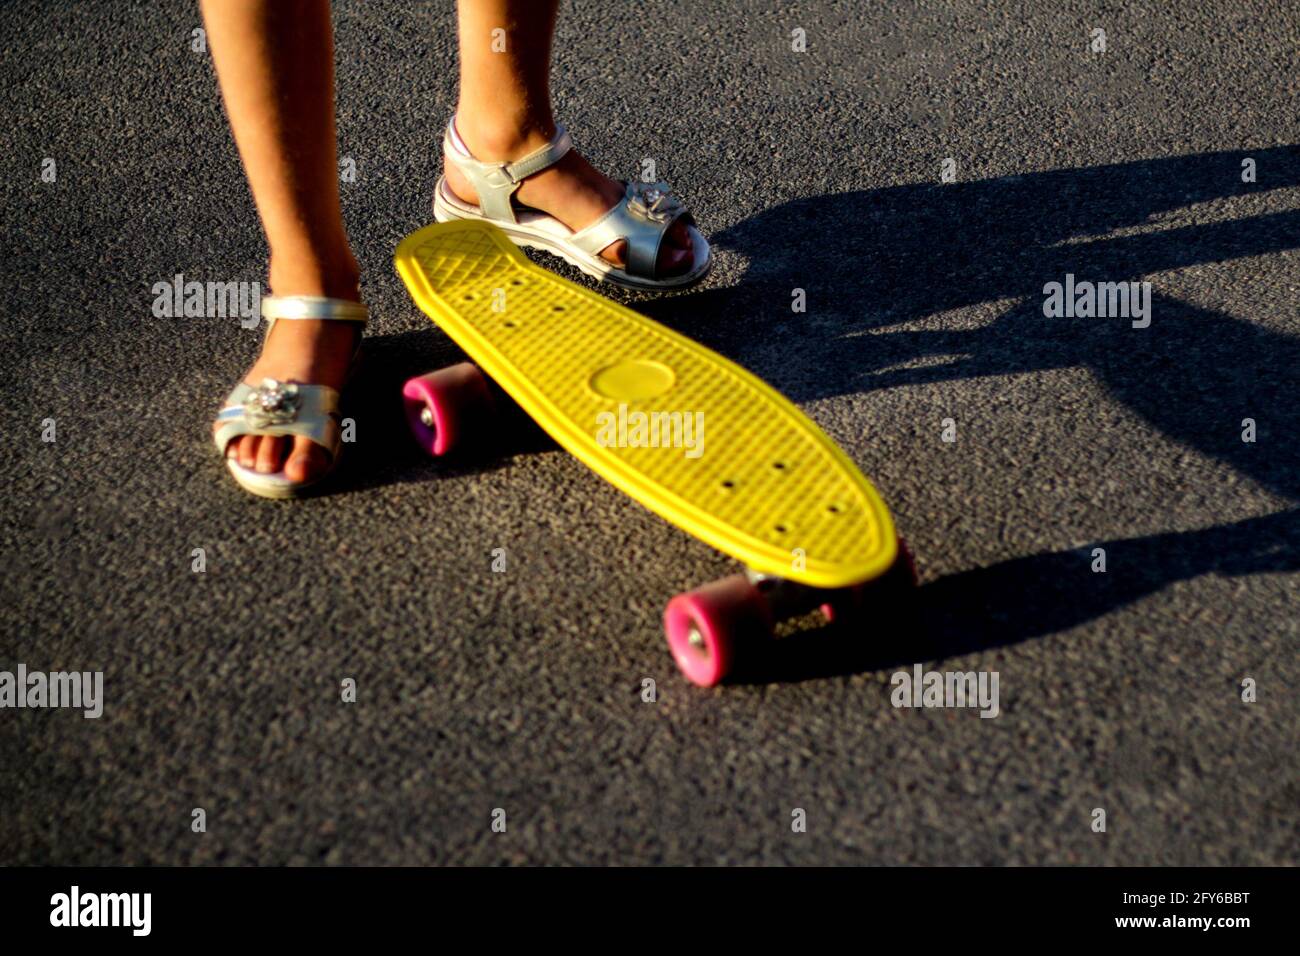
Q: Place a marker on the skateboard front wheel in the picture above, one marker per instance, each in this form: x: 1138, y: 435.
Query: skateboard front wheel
x: 445, y: 408
x: 894, y: 585
x: 705, y: 626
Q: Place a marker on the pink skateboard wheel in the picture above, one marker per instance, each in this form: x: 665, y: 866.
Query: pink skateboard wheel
x: 705, y: 626
x: 444, y: 407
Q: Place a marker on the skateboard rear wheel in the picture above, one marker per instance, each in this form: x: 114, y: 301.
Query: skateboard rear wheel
x: 445, y: 408
x: 894, y: 585
x: 705, y: 626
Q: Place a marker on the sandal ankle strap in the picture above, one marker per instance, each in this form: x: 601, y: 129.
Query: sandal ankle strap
x: 496, y: 183
x: 276, y: 307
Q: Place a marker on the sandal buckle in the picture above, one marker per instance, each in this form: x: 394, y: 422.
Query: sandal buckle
x: 498, y: 176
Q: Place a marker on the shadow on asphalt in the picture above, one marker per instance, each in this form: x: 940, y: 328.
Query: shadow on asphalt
x: 874, y: 260
x: 376, y: 401
x: 1027, y: 598
x: 919, y: 250
x: 914, y: 251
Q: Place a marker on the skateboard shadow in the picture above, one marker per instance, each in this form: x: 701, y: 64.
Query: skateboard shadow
x: 390, y: 454
x: 910, y: 252
x: 1030, y: 597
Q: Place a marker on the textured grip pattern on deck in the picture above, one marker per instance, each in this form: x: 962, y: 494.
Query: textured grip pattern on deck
x: 768, y: 481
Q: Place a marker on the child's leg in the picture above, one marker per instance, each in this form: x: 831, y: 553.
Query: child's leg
x: 274, y: 61
x: 504, y: 113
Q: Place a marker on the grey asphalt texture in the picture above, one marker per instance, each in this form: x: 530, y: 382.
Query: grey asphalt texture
x: 523, y: 690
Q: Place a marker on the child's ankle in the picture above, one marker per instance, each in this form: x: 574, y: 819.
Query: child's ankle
x: 496, y: 135
x: 338, y: 277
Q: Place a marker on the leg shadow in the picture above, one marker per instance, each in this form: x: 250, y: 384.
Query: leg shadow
x: 870, y: 261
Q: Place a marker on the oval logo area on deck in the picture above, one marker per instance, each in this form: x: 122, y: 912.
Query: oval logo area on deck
x: 632, y: 380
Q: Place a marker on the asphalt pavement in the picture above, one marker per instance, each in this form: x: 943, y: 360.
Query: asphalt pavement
x: 1010, y: 445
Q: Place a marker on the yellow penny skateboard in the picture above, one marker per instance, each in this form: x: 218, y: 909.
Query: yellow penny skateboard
x: 690, y: 435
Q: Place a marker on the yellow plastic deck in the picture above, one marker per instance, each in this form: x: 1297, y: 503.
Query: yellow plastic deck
x: 768, y: 487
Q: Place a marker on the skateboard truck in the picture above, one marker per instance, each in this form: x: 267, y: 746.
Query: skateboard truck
x: 785, y: 598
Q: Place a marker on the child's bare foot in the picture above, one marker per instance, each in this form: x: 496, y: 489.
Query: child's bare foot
x: 305, y: 351
x: 573, y: 191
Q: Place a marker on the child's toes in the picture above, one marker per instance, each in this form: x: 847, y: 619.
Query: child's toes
x: 307, y: 461
x: 270, y: 452
x: 247, y: 451
x: 676, y: 252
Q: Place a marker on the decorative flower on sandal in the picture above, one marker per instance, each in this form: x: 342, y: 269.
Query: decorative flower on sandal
x: 653, y: 202
x: 272, y: 403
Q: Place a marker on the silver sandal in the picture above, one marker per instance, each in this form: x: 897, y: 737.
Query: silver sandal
x: 286, y: 408
x: 642, y: 217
